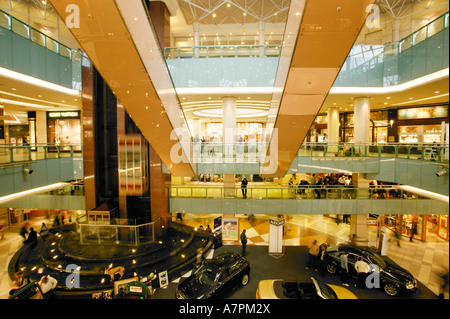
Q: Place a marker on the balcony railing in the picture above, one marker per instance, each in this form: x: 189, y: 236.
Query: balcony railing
x: 252, y: 152
x: 294, y: 192
x: 40, y: 58
x: 11, y: 154
x: 227, y: 51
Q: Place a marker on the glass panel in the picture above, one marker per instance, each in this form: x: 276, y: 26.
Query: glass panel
x: 214, y: 52
x: 52, y: 45
x: 171, y: 53
x: 243, y: 51
x: 20, y: 28
x: 229, y: 52
x: 5, y: 155
x: 436, y: 26
x: 406, y: 43
x: 37, y: 37
x: 186, y: 52
x: 4, y: 20
x: 419, y: 36
x: 65, y: 51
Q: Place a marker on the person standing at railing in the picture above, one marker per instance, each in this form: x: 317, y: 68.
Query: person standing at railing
x: 244, y: 187
x: 325, y: 144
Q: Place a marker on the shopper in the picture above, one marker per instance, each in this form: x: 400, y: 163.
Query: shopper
x: 244, y: 242
x: 413, y: 229
x: 322, y: 259
x: 344, y: 269
x: 244, y: 187
x: 32, y: 236
x: 23, y: 231
x: 44, y: 230
x: 47, y: 285
x: 362, y: 268
x: 312, y: 255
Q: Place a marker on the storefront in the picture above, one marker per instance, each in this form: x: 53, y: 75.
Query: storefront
x: 378, y: 127
x: 421, y: 124
x: 426, y: 226
x: 245, y: 132
x: 64, y: 128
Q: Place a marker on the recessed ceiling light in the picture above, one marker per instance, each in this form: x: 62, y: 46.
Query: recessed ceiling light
x: 388, y: 97
x: 13, y: 89
x: 410, y: 98
x: 437, y: 92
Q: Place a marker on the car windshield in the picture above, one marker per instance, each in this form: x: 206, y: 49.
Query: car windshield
x: 376, y: 260
x: 324, y: 290
x: 206, y: 274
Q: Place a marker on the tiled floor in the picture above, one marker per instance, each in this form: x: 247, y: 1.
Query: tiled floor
x: 426, y: 261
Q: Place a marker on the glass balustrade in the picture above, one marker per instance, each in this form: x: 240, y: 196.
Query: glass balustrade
x: 26, y: 50
x: 248, y: 152
x: 296, y: 192
x: 10, y: 154
x: 421, y: 53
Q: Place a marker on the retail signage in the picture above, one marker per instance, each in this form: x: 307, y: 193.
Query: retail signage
x: 276, y: 237
x: 276, y: 222
x: 64, y: 115
x: 163, y: 279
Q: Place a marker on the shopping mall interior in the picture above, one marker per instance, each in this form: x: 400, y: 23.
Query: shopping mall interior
x: 139, y: 138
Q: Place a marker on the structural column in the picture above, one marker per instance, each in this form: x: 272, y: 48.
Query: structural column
x: 358, y: 222
x: 261, y: 38
x: 229, y: 133
x: 333, y: 129
x: 362, y: 124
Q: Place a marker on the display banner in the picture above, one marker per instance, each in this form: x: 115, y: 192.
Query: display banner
x: 276, y: 237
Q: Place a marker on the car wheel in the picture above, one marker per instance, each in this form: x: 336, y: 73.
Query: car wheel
x: 331, y: 268
x: 390, y: 289
x: 244, y: 280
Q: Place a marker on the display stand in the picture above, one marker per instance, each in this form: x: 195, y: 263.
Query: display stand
x: 276, y: 243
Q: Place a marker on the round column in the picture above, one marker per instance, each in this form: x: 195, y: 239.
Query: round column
x: 362, y: 121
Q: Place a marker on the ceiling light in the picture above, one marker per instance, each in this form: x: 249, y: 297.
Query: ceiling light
x: 31, y: 80
x: 436, y: 92
x: 228, y: 5
x: 214, y: 15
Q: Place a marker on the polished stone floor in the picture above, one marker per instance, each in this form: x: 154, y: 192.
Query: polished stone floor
x: 426, y: 261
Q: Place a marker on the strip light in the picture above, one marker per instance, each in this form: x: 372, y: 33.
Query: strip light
x: 423, y: 192
x: 34, y: 191
x: 392, y: 89
x: 34, y: 81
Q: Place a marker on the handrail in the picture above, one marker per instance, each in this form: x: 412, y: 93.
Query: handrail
x: 10, y: 154
x: 292, y: 192
x: 222, y: 51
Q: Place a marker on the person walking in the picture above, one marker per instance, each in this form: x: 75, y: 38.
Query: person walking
x: 344, y: 268
x: 312, y: 255
x: 244, y: 187
x: 322, y: 260
x: 362, y: 268
x: 23, y: 231
x: 244, y: 242
x: 413, y: 229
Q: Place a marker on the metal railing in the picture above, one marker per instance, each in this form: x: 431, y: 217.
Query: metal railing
x: 252, y: 152
x: 428, y: 152
x: 295, y: 192
x: 11, y: 154
x: 118, y: 232
x: 224, y: 51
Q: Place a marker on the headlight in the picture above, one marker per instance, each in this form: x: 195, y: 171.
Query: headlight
x: 410, y: 285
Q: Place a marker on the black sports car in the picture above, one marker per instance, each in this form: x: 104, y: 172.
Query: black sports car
x: 214, y: 277
x: 393, y: 279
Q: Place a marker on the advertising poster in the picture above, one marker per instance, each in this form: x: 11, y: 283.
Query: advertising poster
x: 230, y: 229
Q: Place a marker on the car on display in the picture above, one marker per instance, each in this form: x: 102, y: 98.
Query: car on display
x: 393, y: 279
x: 215, y: 277
x: 314, y: 289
